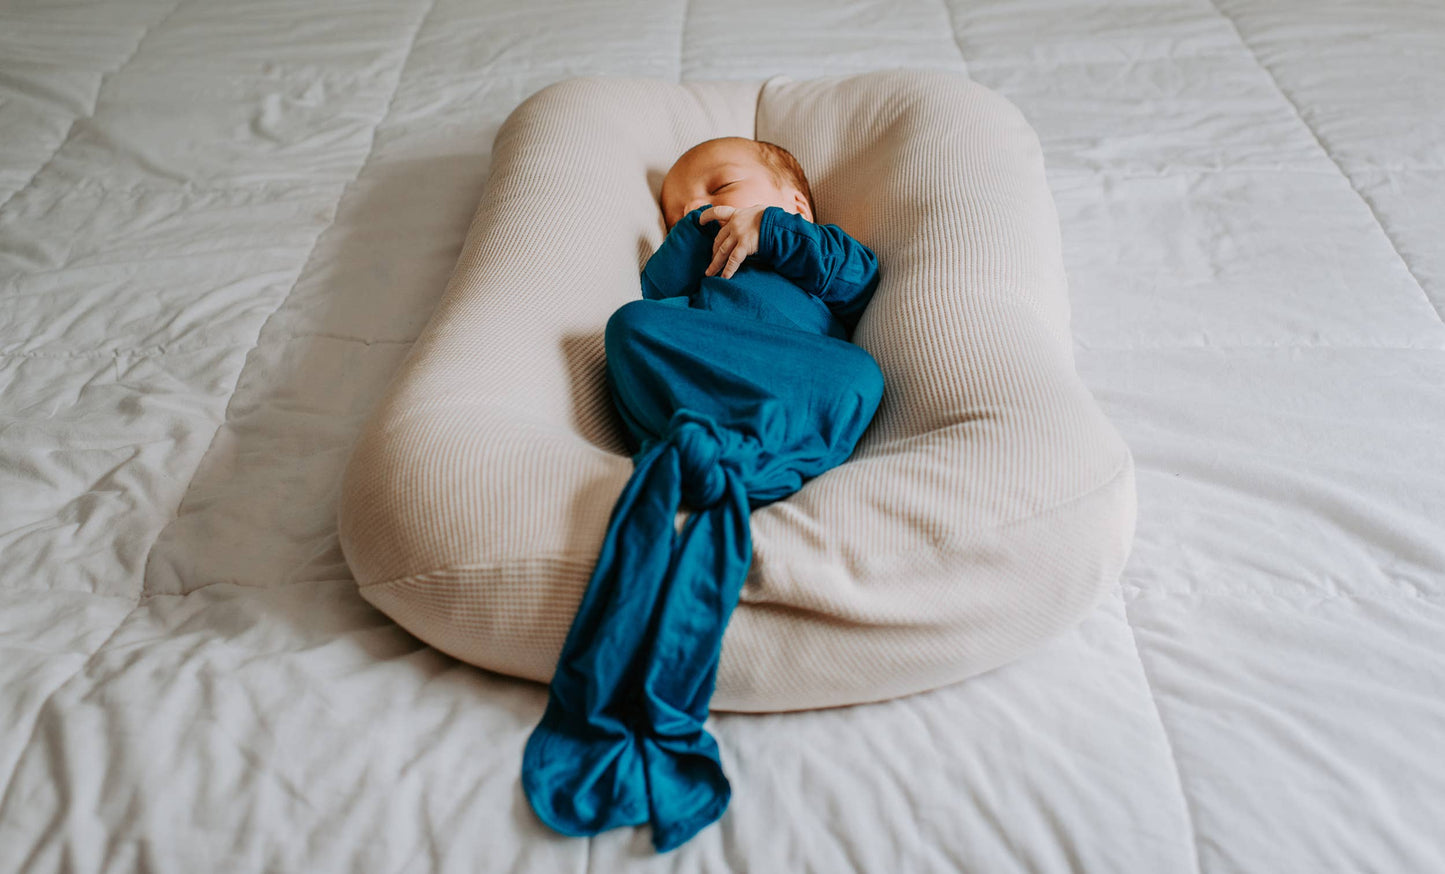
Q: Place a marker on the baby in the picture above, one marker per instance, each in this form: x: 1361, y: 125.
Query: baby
x: 736, y: 384
x: 742, y: 240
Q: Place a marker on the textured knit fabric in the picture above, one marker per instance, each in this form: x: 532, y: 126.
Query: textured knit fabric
x: 989, y: 506
x: 733, y: 406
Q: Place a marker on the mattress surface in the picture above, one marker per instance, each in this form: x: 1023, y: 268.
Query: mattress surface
x: 222, y: 224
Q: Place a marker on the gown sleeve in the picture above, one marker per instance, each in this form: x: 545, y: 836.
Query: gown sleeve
x: 676, y: 268
x: 822, y: 260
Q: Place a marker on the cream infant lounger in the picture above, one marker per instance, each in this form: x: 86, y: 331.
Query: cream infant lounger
x: 988, y: 506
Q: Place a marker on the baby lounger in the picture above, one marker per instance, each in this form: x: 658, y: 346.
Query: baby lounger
x: 988, y: 506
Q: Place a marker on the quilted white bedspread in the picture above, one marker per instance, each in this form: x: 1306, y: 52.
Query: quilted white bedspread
x: 222, y: 223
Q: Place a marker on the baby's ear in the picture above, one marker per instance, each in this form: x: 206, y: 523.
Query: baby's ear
x: 801, y: 203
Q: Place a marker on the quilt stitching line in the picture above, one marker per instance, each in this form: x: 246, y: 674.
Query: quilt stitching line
x: 1370, y: 206
x: 248, y: 190
x: 105, y: 77
x: 261, y: 332
x: 953, y: 32
x: 682, y: 36
x: 1164, y: 732
x: 160, y: 351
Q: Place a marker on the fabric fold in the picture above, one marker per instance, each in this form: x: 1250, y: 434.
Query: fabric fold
x: 622, y: 740
x: 720, y: 428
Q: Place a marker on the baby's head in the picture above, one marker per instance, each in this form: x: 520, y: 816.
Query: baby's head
x: 738, y: 172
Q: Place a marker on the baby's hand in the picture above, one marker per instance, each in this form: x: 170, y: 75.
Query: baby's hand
x: 737, y: 236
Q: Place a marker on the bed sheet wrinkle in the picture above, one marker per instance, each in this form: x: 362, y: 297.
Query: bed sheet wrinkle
x: 46, y: 704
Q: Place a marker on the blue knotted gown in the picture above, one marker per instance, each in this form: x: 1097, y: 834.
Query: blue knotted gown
x: 734, y: 392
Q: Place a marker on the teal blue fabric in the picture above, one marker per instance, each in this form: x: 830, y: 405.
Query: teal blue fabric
x: 733, y: 393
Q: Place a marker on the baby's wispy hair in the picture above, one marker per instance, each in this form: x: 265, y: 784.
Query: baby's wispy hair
x: 787, y: 170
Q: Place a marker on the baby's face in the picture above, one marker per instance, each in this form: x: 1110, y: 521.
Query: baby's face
x: 725, y: 173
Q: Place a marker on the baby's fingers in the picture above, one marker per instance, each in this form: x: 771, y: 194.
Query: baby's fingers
x: 721, y: 250
x: 720, y: 214
x: 735, y: 260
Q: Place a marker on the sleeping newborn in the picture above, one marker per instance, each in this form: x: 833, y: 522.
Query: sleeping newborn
x: 736, y: 384
x: 742, y: 240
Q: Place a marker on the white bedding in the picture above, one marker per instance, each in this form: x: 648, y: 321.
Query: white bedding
x: 222, y: 223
